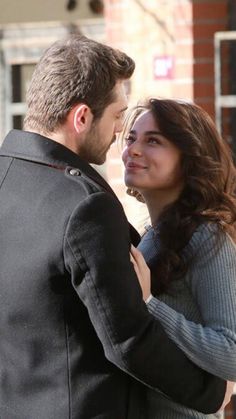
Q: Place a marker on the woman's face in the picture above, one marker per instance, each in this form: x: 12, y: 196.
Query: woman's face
x: 152, y: 163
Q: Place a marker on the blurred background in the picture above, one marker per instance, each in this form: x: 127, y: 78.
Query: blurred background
x: 182, y: 48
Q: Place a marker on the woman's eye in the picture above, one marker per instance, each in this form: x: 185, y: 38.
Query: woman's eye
x: 129, y: 140
x: 152, y: 140
x: 120, y: 116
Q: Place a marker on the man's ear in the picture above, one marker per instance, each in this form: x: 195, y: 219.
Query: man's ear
x: 82, y: 118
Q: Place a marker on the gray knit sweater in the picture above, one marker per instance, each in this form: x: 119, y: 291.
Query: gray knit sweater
x: 199, y: 313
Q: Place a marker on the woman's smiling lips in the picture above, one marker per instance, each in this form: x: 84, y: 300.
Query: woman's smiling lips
x: 130, y: 166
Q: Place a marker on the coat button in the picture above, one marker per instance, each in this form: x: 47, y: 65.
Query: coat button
x: 74, y: 172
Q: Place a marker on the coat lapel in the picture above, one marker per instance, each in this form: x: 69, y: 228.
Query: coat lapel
x: 34, y: 147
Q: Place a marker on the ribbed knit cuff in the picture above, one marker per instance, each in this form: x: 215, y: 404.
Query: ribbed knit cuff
x: 149, y: 299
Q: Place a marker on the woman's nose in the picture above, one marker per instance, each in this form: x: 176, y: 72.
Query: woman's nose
x: 134, y: 149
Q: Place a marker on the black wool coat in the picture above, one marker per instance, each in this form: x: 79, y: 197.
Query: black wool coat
x: 74, y: 331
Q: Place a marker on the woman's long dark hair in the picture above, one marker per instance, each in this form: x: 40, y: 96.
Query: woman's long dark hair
x: 209, y: 183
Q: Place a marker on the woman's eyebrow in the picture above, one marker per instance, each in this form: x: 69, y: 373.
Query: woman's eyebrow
x: 151, y: 132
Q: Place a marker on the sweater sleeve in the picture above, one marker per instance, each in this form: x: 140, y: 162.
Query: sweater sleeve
x: 212, y: 344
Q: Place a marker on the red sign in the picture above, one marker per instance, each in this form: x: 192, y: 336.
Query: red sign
x: 163, y: 67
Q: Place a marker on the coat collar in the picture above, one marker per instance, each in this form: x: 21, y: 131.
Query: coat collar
x: 30, y: 146
x: 34, y: 147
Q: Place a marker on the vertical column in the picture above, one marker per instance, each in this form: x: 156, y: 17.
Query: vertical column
x: 1, y: 95
x: 115, y: 36
x: 208, y: 17
x: 183, y: 38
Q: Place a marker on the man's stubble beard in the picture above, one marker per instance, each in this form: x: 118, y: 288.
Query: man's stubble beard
x: 92, y: 152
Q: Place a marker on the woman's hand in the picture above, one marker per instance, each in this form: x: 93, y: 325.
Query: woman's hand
x: 229, y: 391
x: 142, y: 271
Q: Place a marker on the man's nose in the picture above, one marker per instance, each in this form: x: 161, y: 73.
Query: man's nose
x: 119, y: 127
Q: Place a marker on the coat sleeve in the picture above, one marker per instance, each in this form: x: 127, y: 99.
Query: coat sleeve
x: 96, y: 252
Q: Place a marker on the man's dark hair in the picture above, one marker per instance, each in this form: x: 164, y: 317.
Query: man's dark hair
x: 73, y: 70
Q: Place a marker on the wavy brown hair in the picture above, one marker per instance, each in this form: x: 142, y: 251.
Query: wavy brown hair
x: 209, y: 183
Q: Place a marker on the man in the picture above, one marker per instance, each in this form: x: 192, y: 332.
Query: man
x: 71, y: 306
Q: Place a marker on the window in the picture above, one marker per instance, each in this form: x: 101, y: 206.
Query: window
x: 20, y: 77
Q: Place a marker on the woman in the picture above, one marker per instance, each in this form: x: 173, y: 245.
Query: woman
x: 176, y: 162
